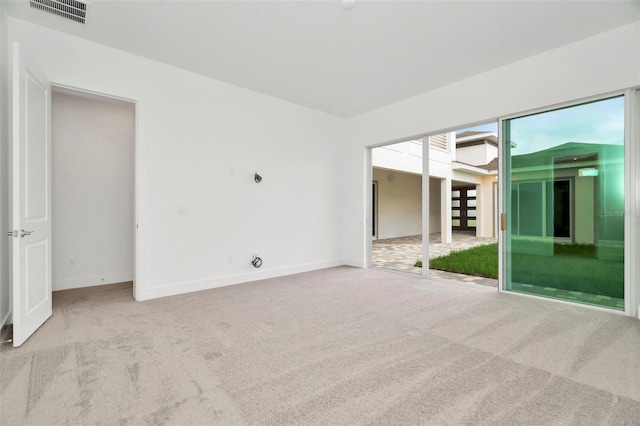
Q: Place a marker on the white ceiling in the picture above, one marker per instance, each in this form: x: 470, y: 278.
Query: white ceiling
x: 316, y: 54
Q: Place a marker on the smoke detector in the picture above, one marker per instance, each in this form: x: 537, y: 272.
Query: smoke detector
x: 69, y: 9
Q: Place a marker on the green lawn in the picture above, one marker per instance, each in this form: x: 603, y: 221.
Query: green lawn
x: 567, y: 267
x: 572, y: 273
x: 480, y: 261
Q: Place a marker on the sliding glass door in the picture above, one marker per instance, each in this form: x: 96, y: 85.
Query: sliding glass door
x: 564, y: 203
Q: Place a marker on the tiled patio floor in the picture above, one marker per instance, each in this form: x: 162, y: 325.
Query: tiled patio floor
x: 400, y: 254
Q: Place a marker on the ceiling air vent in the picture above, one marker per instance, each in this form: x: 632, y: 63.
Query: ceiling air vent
x: 70, y: 9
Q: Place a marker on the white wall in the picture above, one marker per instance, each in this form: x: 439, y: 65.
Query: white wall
x: 572, y: 72
x: 200, y: 141
x: 5, y: 245
x: 93, y: 143
x: 200, y: 214
x: 404, y: 156
x: 399, y: 203
x: 407, y: 157
x: 477, y: 155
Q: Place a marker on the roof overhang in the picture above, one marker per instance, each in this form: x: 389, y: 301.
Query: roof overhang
x: 472, y: 169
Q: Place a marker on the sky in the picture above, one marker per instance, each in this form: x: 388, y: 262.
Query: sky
x: 600, y: 122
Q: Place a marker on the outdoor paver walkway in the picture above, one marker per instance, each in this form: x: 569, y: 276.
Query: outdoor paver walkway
x: 445, y: 275
x: 400, y: 254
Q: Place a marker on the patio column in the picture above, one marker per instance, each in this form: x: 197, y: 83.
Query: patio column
x: 425, y: 206
x: 445, y: 210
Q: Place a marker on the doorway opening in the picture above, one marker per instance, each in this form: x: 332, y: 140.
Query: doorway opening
x: 93, y: 190
x: 397, y: 221
x: 374, y: 210
x: 462, y: 201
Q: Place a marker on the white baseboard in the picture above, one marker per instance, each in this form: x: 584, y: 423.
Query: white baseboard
x: 354, y: 262
x: 207, y: 284
x: 71, y: 283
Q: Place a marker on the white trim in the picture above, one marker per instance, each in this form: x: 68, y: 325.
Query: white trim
x: 208, y: 284
x: 628, y: 200
x: 567, y: 104
x: 374, y: 209
x: 93, y: 281
x: 140, y: 268
x: 356, y: 263
x: 632, y: 202
x: 139, y: 272
x: 495, y: 208
x: 88, y: 94
x: 91, y: 94
x: 502, y: 271
x: 368, y: 208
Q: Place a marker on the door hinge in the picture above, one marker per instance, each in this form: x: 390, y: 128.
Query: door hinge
x: 13, y: 233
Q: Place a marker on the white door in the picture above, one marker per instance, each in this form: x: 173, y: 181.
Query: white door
x: 31, y: 192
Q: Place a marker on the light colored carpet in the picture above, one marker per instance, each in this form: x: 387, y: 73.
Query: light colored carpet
x: 337, y: 346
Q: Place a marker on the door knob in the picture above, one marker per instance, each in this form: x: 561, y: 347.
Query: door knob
x: 23, y: 233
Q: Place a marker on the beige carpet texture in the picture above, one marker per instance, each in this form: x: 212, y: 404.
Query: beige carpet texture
x: 340, y: 346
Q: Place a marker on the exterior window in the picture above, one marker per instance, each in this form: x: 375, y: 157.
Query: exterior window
x: 544, y: 209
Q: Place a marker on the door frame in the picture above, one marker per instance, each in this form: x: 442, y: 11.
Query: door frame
x: 368, y: 198
x: 137, y: 173
x: 374, y: 208
x: 495, y: 208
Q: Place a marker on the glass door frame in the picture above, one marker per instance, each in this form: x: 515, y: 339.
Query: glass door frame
x: 631, y: 201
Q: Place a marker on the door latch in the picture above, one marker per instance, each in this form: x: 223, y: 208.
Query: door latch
x: 13, y: 233
x: 24, y: 233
